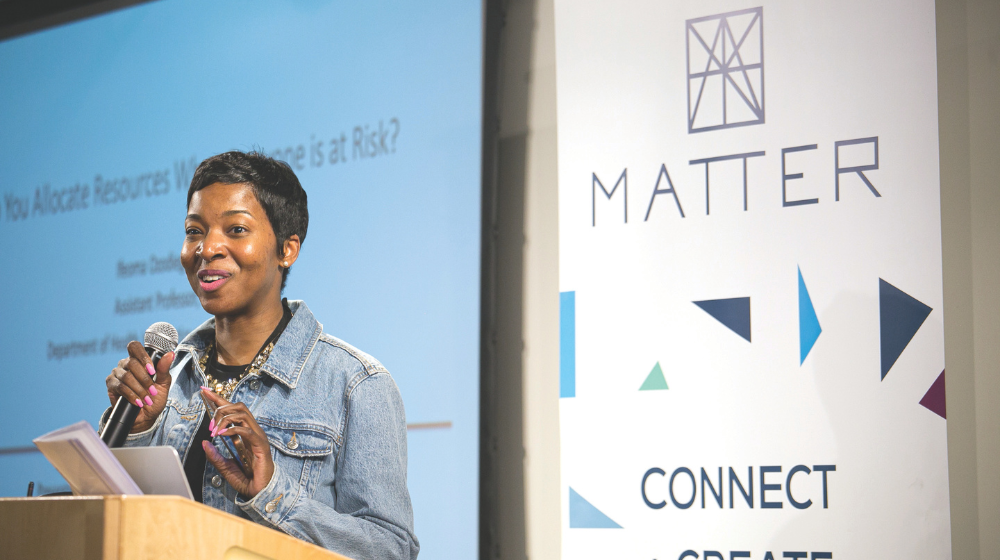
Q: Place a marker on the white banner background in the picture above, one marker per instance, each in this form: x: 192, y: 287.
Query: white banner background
x: 833, y: 71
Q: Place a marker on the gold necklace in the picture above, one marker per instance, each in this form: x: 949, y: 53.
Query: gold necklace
x: 226, y: 389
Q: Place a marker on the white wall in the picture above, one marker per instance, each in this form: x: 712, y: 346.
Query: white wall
x: 969, y: 122
x: 525, y: 519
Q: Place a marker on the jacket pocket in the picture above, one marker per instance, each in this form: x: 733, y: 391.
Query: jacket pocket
x: 304, y: 452
x: 180, y: 422
x: 298, y: 439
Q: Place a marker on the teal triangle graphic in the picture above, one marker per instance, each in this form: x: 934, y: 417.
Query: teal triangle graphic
x: 809, y: 328
x: 583, y: 515
x: 655, y: 380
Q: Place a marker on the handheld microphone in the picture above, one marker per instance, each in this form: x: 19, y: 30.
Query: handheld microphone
x: 159, y: 340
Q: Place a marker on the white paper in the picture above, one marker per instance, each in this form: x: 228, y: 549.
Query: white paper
x: 78, y: 453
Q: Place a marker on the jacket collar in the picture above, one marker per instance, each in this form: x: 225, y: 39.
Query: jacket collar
x: 290, y: 353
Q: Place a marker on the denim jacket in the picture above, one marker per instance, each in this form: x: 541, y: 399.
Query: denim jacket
x: 335, y: 422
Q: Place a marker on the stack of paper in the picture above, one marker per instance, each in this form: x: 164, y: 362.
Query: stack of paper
x: 78, y: 453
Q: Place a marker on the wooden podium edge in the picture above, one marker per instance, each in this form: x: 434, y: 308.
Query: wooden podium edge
x: 148, y: 527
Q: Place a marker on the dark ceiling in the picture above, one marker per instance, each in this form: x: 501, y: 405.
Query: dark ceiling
x: 19, y: 17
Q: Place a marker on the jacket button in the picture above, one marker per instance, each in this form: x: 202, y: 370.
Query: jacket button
x: 255, y: 384
x: 273, y: 504
x: 294, y: 442
x: 217, y: 481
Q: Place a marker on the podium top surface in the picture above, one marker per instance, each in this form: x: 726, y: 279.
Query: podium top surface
x: 148, y: 527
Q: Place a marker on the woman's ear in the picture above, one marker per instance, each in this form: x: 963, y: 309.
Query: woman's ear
x: 290, y: 251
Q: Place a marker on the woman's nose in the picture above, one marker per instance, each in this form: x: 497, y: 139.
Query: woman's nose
x: 213, y: 247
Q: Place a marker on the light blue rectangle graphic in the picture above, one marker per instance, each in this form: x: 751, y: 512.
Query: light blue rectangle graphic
x: 567, y: 344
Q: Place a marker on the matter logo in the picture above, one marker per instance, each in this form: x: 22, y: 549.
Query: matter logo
x: 725, y: 70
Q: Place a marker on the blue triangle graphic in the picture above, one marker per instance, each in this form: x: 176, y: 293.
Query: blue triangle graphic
x: 583, y: 515
x: 809, y: 328
x: 732, y: 312
x: 900, y: 316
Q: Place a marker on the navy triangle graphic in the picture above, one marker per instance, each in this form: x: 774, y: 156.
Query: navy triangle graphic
x: 900, y: 316
x: 583, y: 515
x: 731, y: 312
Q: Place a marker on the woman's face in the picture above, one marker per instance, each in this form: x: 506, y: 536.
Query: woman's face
x: 230, y: 252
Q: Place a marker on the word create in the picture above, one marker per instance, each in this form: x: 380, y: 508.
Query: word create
x: 797, y: 555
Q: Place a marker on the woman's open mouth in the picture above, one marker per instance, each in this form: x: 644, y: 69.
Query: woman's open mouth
x: 212, y: 280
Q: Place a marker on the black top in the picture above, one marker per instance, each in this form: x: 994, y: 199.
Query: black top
x: 194, y: 466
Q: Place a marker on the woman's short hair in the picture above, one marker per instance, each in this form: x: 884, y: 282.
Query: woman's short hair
x: 273, y: 183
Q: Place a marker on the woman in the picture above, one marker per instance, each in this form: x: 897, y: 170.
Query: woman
x: 322, y: 421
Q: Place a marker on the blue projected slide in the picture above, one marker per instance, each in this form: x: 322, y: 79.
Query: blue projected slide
x: 376, y: 107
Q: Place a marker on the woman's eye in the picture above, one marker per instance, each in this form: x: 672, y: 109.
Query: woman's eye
x: 191, y: 231
x: 239, y: 229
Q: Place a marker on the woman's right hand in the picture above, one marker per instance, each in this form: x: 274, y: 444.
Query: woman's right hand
x: 133, y: 379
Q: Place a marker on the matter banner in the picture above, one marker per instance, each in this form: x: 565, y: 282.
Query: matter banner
x: 751, y: 340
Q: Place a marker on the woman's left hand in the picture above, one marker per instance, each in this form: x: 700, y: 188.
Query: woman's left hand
x: 235, y: 420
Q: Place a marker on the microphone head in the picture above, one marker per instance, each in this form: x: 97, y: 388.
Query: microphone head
x: 161, y: 337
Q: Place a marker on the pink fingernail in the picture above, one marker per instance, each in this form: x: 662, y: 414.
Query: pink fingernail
x: 150, y: 369
x: 152, y: 390
x: 211, y: 425
x: 223, y: 432
x: 213, y: 433
x: 149, y: 401
x: 206, y: 388
x: 138, y: 403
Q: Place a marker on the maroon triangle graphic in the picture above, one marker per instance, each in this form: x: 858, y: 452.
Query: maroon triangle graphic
x: 934, y: 398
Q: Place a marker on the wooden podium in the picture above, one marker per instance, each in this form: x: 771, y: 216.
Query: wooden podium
x: 139, y: 527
